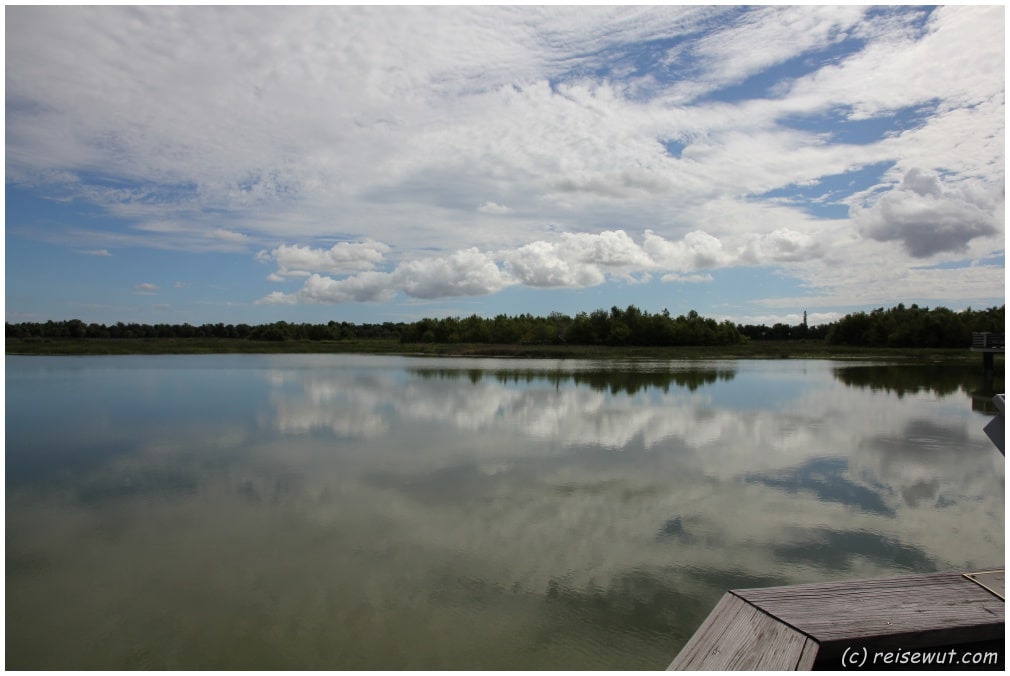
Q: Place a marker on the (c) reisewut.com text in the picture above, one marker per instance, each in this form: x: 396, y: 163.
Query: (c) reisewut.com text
x: 870, y: 658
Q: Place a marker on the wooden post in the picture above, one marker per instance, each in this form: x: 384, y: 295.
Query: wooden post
x: 988, y: 365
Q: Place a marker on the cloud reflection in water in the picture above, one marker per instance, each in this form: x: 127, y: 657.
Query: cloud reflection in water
x: 576, y: 514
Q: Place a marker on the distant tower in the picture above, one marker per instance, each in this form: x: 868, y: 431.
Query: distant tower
x: 804, y: 319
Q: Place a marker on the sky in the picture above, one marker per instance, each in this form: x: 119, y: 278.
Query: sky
x: 371, y: 164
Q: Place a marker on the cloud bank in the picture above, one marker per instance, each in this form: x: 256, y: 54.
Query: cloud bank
x: 374, y: 153
x: 572, y: 261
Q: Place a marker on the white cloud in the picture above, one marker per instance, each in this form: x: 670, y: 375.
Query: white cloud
x: 781, y: 245
x: 342, y: 257
x: 145, y: 288
x: 364, y: 287
x: 544, y: 264
x: 96, y: 252
x: 729, y: 56
x: 464, y: 273
x: 609, y: 248
x: 697, y: 250
x: 958, y: 57
x: 487, y: 131
x: 576, y: 259
x: 572, y: 260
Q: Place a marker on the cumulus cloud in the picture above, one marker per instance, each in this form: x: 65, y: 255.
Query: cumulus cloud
x: 96, y: 252
x: 364, y: 287
x: 463, y: 273
x: 145, y: 288
x: 340, y: 258
x: 697, y: 250
x: 609, y: 248
x: 578, y: 259
x: 929, y: 218
x: 546, y: 265
x: 573, y: 260
x: 782, y: 245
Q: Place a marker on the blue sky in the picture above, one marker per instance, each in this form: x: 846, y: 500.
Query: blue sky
x: 370, y: 164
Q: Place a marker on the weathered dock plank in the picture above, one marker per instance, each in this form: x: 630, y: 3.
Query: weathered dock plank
x: 738, y: 636
x: 911, y: 611
x: 807, y: 625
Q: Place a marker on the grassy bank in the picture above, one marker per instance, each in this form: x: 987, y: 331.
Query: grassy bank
x: 750, y: 350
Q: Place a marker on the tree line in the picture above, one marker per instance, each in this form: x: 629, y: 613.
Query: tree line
x: 915, y: 326
x: 630, y: 326
x: 900, y: 326
x: 275, y: 331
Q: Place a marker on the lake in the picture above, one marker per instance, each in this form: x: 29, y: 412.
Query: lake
x: 367, y: 512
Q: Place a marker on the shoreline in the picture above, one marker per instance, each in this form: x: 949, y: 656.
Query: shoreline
x: 796, y: 349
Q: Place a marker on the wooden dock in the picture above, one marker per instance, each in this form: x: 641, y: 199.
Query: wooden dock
x: 989, y: 344
x: 873, y: 624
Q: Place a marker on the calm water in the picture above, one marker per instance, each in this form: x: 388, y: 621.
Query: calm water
x: 350, y: 512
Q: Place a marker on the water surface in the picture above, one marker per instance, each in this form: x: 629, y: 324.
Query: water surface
x: 359, y: 512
